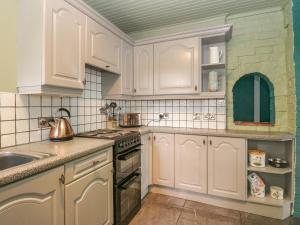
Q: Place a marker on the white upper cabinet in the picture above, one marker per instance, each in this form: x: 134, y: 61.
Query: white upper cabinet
x: 163, y: 159
x: 52, y: 60
x: 127, y: 69
x: 143, y: 70
x: 227, y: 167
x: 191, y: 163
x: 176, y: 67
x: 103, y: 48
x: 65, y: 42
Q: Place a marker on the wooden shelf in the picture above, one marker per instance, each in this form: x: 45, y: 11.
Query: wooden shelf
x: 270, y: 169
x: 268, y: 200
x: 213, y: 66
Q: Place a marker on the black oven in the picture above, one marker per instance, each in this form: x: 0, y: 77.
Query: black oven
x: 126, y: 163
x: 127, y: 199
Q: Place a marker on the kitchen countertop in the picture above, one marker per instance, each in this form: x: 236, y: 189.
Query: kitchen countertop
x: 64, y: 152
x: 253, y: 135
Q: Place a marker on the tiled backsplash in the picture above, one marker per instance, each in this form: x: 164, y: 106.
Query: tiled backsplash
x: 182, y: 113
x: 19, y: 113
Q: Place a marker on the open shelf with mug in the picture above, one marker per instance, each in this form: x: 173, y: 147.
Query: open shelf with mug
x: 213, y: 65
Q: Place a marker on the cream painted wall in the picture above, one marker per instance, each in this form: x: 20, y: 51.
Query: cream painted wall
x: 8, y: 17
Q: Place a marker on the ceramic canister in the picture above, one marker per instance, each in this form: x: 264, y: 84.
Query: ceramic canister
x: 277, y: 192
x: 257, y: 158
x: 257, y: 185
x: 213, y: 83
x: 215, y: 55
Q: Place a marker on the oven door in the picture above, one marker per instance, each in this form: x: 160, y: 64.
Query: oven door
x: 127, y: 199
x: 127, y: 162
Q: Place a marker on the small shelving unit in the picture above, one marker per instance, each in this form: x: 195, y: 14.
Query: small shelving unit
x: 219, y: 68
x: 282, y: 177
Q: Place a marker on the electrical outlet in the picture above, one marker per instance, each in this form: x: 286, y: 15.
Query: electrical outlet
x: 206, y: 116
x: 197, y: 116
x: 212, y: 116
x: 44, y: 122
x: 164, y: 116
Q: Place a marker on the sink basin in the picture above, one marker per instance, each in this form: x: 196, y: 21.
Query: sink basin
x: 12, y: 159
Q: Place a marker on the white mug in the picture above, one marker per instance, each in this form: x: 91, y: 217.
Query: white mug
x: 215, y: 55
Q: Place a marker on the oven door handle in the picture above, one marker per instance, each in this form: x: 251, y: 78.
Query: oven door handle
x: 126, y: 185
x: 128, y: 155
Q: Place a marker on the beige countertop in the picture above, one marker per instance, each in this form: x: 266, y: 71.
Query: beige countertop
x: 254, y: 135
x: 63, y: 151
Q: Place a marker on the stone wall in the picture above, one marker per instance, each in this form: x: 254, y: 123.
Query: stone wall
x: 259, y: 44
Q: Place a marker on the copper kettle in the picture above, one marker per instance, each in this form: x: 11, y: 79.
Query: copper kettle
x: 61, y: 129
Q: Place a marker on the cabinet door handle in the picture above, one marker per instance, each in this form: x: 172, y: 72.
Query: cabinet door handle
x: 196, y: 87
x: 154, y: 138
x: 149, y: 138
x: 84, y: 81
x: 134, y: 90
x: 204, y: 142
x: 62, y: 179
x: 210, y: 142
x: 107, y: 66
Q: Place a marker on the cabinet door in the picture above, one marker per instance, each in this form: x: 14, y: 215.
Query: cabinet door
x: 163, y: 159
x: 227, y: 167
x: 65, y: 45
x: 191, y: 163
x: 127, y: 68
x: 34, y: 201
x: 103, y: 48
x: 89, y: 200
x: 176, y: 67
x: 143, y: 70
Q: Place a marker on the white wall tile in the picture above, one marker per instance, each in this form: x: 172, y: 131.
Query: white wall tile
x: 8, y: 127
x: 8, y: 114
x: 35, y: 136
x: 46, y: 101
x: 22, y: 125
x: 8, y: 140
x: 34, y: 112
x: 22, y: 100
x: 35, y: 100
x: 21, y: 113
x: 7, y: 99
x: 22, y: 138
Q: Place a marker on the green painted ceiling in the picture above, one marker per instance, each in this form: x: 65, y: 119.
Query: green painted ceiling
x: 138, y: 15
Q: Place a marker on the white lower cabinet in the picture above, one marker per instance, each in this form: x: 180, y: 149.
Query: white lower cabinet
x: 146, y: 163
x: 191, y: 163
x: 227, y: 167
x: 89, y: 200
x: 37, y: 200
x: 163, y: 159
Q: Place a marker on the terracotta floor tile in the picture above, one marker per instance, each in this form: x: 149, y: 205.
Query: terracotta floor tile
x: 252, y: 219
x: 209, y: 209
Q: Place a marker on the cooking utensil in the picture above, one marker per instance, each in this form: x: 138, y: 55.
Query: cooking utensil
x: 61, y: 129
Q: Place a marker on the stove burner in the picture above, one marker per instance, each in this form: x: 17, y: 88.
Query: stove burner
x: 104, y: 133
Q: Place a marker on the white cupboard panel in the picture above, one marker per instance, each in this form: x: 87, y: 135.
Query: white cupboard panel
x: 163, y: 159
x: 143, y: 70
x: 191, y: 163
x: 103, y: 48
x: 176, y: 67
x: 127, y: 68
x: 146, y: 163
x: 65, y: 45
x: 227, y: 167
x: 89, y: 200
x: 34, y: 201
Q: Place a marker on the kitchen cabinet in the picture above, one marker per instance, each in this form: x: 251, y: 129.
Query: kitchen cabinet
x: 143, y: 70
x: 34, y: 201
x: 89, y: 200
x: 103, y: 48
x: 227, y: 167
x: 146, y: 163
x: 163, y: 159
x: 191, y: 163
x: 176, y: 67
x: 53, y: 61
x: 127, y: 69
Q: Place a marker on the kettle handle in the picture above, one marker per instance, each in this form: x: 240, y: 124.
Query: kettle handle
x: 64, y: 110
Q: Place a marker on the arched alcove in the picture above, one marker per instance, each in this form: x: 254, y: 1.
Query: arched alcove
x: 253, y: 100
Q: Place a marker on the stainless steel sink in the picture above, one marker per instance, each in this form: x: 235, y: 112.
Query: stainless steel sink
x: 12, y: 159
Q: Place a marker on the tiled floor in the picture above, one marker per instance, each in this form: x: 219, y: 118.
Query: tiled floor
x: 165, y: 210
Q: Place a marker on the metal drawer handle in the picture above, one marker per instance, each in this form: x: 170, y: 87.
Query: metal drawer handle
x: 62, y: 179
x: 127, y: 184
x: 96, y: 162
